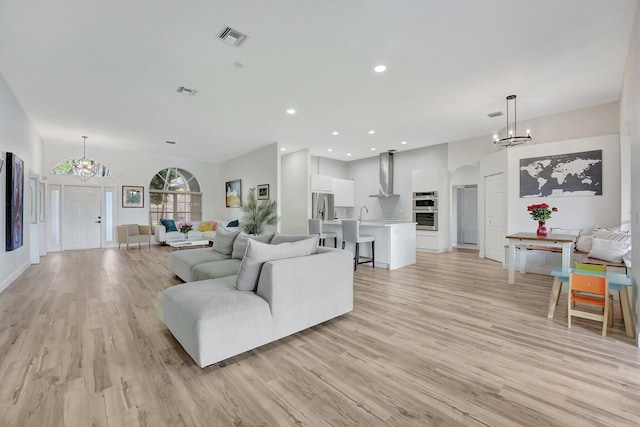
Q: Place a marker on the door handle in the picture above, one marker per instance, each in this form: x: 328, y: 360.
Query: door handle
x: 97, y: 222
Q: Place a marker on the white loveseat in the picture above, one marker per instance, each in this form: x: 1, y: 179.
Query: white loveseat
x: 162, y: 235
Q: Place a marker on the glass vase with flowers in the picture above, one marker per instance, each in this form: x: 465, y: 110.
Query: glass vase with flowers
x: 541, y: 213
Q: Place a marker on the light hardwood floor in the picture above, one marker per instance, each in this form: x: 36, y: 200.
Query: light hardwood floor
x: 444, y: 342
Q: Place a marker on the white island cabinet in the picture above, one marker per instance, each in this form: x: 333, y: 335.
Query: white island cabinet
x: 395, y: 241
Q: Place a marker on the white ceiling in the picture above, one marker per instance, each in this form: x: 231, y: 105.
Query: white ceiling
x: 110, y: 69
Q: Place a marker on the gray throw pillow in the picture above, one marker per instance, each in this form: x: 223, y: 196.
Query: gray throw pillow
x: 240, y: 245
x: 223, y: 242
x: 258, y: 253
x: 281, y: 238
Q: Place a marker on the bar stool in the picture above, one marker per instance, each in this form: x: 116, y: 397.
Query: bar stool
x: 351, y: 234
x: 315, y: 227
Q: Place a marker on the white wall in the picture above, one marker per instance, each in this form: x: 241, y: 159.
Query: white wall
x: 573, y: 211
x: 17, y: 135
x: 330, y: 167
x: 296, y: 192
x: 255, y: 168
x: 130, y: 168
x: 630, y: 126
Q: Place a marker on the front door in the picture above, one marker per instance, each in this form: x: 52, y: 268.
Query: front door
x: 494, y: 217
x: 81, y: 222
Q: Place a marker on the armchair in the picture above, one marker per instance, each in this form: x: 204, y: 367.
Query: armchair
x: 134, y: 233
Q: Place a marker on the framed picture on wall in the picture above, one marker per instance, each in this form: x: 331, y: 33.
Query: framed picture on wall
x: 14, y: 202
x: 233, y: 193
x: 132, y: 196
x: 263, y: 192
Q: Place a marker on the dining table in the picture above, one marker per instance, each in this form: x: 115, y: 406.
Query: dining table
x: 617, y: 282
x: 523, y: 240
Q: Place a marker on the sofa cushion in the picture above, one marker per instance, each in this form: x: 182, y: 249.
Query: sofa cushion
x: 240, y: 245
x: 258, y: 253
x: 133, y: 229
x: 215, y: 269
x: 224, y: 240
x: 182, y: 262
x: 609, y: 250
x: 169, y: 224
x: 206, y: 226
x: 281, y: 238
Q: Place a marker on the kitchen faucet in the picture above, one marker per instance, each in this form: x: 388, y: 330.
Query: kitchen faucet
x: 366, y: 210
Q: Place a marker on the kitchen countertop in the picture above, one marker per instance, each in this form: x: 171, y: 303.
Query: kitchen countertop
x: 372, y: 222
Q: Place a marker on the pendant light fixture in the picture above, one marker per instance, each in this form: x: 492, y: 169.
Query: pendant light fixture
x: 84, y: 168
x: 512, y: 138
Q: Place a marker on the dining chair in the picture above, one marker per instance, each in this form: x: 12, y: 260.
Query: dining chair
x: 351, y: 234
x: 315, y: 227
x: 601, y: 269
x: 587, y: 289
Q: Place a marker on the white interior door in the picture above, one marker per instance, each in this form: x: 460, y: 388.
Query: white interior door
x: 494, y: 217
x: 81, y: 227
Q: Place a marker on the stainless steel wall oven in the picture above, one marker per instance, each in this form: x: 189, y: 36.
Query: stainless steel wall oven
x: 425, y: 210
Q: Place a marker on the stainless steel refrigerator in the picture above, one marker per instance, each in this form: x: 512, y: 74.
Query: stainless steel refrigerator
x: 322, y: 206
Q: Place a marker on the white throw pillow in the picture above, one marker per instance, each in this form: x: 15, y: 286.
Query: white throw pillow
x: 616, y: 236
x: 240, y: 245
x: 584, y: 243
x: 223, y: 243
x: 258, y: 253
x: 608, y: 250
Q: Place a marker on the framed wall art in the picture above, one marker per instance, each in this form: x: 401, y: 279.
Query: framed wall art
x: 132, y: 196
x: 14, y: 202
x: 233, y: 193
x: 263, y: 192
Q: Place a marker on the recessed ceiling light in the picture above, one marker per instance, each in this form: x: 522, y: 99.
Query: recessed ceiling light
x: 283, y: 149
x: 371, y: 132
x: 348, y: 154
x: 329, y: 149
x: 373, y: 149
x: 334, y: 133
x: 380, y: 69
x: 291, y: 111
x: 403, y: 142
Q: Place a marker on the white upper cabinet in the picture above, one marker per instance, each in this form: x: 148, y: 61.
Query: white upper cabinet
x: 321, y: 184
x: 344, y: 192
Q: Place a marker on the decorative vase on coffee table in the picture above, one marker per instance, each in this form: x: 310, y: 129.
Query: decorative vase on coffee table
x: 542, y: 230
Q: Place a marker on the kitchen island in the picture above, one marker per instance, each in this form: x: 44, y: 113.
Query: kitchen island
x: 395, y: 241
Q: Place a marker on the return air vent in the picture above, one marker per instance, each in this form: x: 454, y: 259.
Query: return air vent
x: 496, y: 114
x: 232, y: 37
x: 186, y: 91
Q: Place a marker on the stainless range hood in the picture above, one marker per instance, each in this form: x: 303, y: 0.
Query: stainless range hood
x: 385, y: 188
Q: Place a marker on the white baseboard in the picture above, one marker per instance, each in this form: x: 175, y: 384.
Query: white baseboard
x: 13, y: 276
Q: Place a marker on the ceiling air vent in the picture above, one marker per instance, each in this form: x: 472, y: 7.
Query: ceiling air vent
x: 232, y: 37
x: 186, y: 91
x: 496, y: 114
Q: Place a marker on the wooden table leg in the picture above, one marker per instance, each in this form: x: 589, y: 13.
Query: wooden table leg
x: 626, y: 312
x: 553, y: 298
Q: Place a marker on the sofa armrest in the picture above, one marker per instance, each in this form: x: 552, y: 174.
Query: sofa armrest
x: 123, y: 233
x: 161, y: 233
x: 305, y: 291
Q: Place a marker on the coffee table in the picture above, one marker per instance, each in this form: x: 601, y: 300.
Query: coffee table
x: 182, y: 244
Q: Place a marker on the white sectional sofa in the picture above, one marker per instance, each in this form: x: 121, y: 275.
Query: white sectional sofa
x: 162, y: 235
x: 274, y: 294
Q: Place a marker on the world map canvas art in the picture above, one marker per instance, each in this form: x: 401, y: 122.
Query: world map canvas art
x: 573, y: 174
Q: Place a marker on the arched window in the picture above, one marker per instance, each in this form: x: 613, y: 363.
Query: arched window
x: 66, y: 168
x: 174, y: 194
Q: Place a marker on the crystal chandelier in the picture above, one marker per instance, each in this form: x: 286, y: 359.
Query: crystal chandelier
x: 512, y: 138
x: 84, y: 168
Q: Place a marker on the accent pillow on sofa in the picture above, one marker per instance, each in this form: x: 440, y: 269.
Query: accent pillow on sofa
x: 584, y: 243
x: 206, y: 226
x: 233, y: 223
x: 609, y: 250
x: 169, y: 224
x: 240, y: 245
x: 282, y: 238
x: 258, y: 253
x: 223, y: 243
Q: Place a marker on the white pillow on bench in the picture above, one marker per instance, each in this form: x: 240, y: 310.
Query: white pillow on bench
x: 609, y: 250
